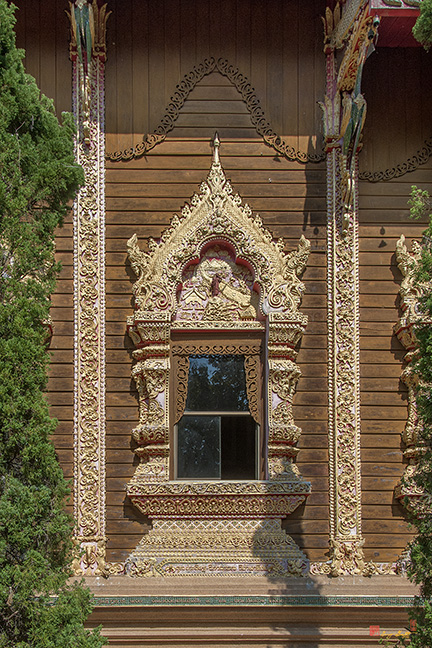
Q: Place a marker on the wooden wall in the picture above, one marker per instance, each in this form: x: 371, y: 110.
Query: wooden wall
x: 42, y: 29
x: 151, y: 45
x: 141, y: 197
x: 383, y: 218
x: 397, y: 85
x: 277, y: 47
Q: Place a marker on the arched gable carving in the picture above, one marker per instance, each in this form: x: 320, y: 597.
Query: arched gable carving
x: 217, y: 215
x: 247, y: 92
x: 259, y: 121
x: 214, y: 222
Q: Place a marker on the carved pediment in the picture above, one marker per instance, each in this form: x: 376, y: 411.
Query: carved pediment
x: 217, y: 289
x: 217, y: 217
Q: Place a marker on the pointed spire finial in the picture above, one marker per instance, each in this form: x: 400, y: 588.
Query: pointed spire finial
x: 216, y: 144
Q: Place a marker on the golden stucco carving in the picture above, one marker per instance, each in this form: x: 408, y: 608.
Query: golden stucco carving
x: 218, y: 215
x: 344, y: 113
x: 350, y: 26
x: 192, y: 280
x: 89, y: 295
x: 210, y: 547
x: 242, y: 348
x: 243, y: 500
x: 408, y: 492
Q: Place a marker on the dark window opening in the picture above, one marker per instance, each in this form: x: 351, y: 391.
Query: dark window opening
x: 217, y: 436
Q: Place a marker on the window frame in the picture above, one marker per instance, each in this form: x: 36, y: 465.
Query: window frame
x: 246, y: 343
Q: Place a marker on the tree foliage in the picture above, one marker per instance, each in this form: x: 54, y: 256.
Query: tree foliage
x: 38, y: 177
x: 420, y: 569
x: 423, y: 28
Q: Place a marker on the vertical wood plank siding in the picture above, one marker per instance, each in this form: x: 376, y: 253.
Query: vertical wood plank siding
x: 278, y: 46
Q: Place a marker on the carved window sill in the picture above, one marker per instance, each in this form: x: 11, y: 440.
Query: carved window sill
x: 218, y: 499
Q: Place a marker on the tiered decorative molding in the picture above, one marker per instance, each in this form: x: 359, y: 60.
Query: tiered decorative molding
x: 217, y: 271
x: 88, y: 59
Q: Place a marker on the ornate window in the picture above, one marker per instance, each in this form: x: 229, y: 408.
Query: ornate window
x: 215, y: 329
x: 217, y: 419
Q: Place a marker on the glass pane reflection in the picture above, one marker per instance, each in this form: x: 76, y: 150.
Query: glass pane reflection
x: 238, y: 440
x: 217, y: 383
x: 198, y: 439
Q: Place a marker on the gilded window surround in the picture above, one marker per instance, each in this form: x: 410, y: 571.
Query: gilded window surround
x: 186, y: 515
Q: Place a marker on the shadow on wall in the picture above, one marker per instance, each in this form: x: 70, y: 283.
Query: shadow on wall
x: 304, y: 533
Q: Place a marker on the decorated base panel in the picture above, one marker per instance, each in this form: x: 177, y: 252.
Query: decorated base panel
x: 217, y: 548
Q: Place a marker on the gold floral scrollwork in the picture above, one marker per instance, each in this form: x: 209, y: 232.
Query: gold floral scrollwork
x: 353, y: 28
x: 346, y: 540
x: 252, y: 370
x: 89, y: 304
x: 216, y: 270
x: 408, y: 492
x: 246, y: 349
x: 182, y: 385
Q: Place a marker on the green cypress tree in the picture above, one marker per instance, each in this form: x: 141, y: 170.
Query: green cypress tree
x: 420, y: 567
x: 423, y: 28
x: 39, y: 608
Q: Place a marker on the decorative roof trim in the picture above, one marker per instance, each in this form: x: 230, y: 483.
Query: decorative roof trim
x: 247, y: 92
x: 259, y: 121
x: 411, y: 164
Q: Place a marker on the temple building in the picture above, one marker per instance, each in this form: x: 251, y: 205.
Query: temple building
x: 233, y: 322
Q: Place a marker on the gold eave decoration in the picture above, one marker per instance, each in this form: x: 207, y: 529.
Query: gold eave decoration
x: 218, y: 499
